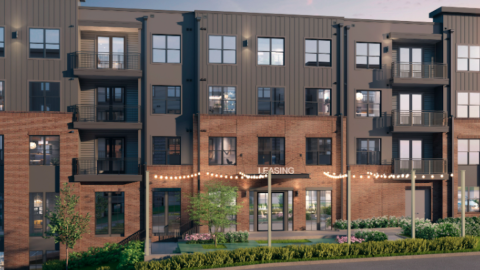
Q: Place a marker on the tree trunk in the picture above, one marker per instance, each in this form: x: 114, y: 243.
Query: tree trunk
x: 66, y: 267
x: 215, y: 237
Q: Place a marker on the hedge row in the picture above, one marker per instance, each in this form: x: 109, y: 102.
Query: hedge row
x: 323, y: 251
x: 369, y: 223
x: 472, y: 224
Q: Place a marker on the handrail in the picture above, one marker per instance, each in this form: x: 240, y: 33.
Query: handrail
x: 96, y: 166
x: 137, y: 236
x: 96, y: 60
x: 107, y: 113
x: 421, y: 165
x: 420, y: 70
x: 419, y: 118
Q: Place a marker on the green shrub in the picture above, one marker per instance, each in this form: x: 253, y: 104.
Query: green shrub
x: 371, y: 223
x: 472, y: 224
x: 103, y: 268
x: 325, y: 251
x: 131, y: 254
x: 54, y: 265
x: 371, y: 235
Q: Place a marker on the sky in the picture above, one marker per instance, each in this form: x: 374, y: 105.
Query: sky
x: 403, y: 10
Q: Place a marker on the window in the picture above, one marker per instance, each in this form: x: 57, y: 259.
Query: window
x: 167, y: 100
x: 2, y: 213
x: 221, y: 49
x: 468, y: 58
x: 317, y: 53
x: 468, y: 105
x: 44, y: 96
x: 38, y: 221
x: 318, y: 210
x: 109, y: 213
x: 166, y: 211
x: 222, y: 100
x: 271, y: 151
x: 36, y: 259
x: 222, y: 151
x: 2, y: 42
x: 317, y: 101
x: 368, y: 151
x: 1, y: 150
x: 368, y: 103
x: 368, y: 55
x: 319, y: 151
x: 44, y: 150
x: 271, y: 51
x: 2, y: 96
x: 166, y: 151
x: 468, y: 152
x: 166, y: 49
x: 44, y: 43
x: 271, y: 101
x: 472, y: 197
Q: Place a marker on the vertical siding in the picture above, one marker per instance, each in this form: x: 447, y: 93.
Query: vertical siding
x: 427, y: 144
x: 247, y: 76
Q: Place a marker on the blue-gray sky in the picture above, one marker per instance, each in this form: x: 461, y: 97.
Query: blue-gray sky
x: 409, y: 10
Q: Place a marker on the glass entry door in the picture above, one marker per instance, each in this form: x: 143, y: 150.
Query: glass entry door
x: 278, y: 217
x: 110, y: 104
x: 411, y: 154
x: 111, y: 52
x: 166, y: 212
x: 410, y: 109
x: 110, y: 156
x: 318, y: 210
x: 411, y: 62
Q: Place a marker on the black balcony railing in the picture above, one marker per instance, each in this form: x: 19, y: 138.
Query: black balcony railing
x: 421, y: 166
x: 93, y: 60
x: 419, y: 70
x: 419, y: 118
x: 107, y: 113
x: 96, y: 166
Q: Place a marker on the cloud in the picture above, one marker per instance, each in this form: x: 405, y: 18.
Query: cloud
x: 309, y: 2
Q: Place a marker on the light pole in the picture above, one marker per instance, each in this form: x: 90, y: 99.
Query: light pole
x: 462, y: 179
x: 413, y: 204
x: 147, y: 214
x: 349, y: 206
x: 269, y: 209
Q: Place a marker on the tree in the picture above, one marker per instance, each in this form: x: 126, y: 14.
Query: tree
x: 213, y: 207
x: 66, y: 224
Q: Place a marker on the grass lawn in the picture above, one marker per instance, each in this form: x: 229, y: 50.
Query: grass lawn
x: 113, y: 266
x: 212, y: 246
x: 284, y: 241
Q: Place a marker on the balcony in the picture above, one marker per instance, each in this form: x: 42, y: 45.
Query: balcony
x: 107, y: 170
x: 419, y: 121
x: 424, y: 168
x: 419, y: 74
x: 107, y: 117
x: 91, y: 65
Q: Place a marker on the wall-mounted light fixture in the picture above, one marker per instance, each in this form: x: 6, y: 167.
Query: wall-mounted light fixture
x: 245, y: 43
x: 296, y: 193
x: 15, y: 35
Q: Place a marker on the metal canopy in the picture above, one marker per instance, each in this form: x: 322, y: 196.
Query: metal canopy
x: 289, y: 176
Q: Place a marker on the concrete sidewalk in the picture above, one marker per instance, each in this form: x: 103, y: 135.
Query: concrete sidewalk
x: 162, y: 250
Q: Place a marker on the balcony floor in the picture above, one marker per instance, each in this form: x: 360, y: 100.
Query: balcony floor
x: 107, y: 125
x: 110, y: 178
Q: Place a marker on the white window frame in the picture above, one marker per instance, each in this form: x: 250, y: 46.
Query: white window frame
x: 472, y: 58
x: 469, y: 104
x: 472, y: 151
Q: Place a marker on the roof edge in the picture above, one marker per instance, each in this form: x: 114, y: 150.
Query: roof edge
x: 454, y: 10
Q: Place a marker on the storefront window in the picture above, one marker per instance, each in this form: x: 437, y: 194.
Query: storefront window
x: 472, y: 197
x: 318, y: 210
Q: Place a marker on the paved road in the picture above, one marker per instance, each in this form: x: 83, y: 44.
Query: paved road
x: 461, y: 262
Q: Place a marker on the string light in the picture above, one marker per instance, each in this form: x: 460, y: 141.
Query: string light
x: 335, y: 176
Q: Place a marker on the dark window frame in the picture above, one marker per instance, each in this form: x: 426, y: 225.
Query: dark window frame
x: 272, y: 100
x: 167, y: 98
x: 317, y: 103
x: 270, y: 51
x: 48, y: 200
x: 271, y: 153
x: 368, y: 103
x: 222, y: 49
x: 44, y: 96
x: 166, y: 49
x: 36, y: 263
x: 469, y: 190
x: 1, y: 149
x: 317, y: 53
x: 210, y: 151
x: 167, y: 149
x: 167, y: 194
x: 319, y: 151
x: 44, y: 43
x: 2, y: 96
x: 369, y: 153
x: 368, y: 66
x: 109, y: 214
x: 2, y: 42
x: 44, y: 150
x: 224, y: 90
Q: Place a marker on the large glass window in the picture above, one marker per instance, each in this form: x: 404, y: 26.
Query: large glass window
x: 166, y: 211
x: 318, y: 52
x: 2, y: 96
x: 271, y: 151
x: 109, y: 213
x: 368, y: 103
x: 221, y: 49
x: 472, y: 199
x: 44, y: 150
x: 468, y: 58
x: 166, y: 49
x: 319, y: 151
x: 166, y: 100
x: 222, y: 151
x: 44, y: 43
x: 44, y: 96
x: 166, y: 151
x: 468, y: 105
x: 38, y: 221
x: 1, y: 150
x: 368, y: 151
x: 318, y: 210
x: 271, y: 51
x: 36, y: 259
x: 271, y: 101
x: 468, y: 152
x: 2, y: 42
x: 317, y: 101
x: 222, y: 100
x: 368, y: 55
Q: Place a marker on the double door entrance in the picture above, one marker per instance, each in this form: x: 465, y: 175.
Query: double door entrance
x: 282, y: 210
x: 411, y: 62
x: 411, y: 154
x: 111, y: 156
x: 410, y: 109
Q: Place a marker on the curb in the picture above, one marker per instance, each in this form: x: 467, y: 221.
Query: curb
x: 375, y: 259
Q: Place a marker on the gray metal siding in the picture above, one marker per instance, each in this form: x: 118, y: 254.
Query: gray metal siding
x: 17, y: 69
x: 427, y: 144
x: 247, y: 76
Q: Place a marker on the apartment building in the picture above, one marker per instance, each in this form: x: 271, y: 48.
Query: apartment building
x: 96, y: 97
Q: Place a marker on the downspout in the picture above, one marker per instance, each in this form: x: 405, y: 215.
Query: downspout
x: 198, y: 100
x: 449, y: 61
x: 340, y: 86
